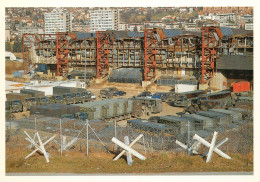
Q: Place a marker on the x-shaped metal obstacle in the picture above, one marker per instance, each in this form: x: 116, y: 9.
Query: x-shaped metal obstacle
x: 127, y: 148
x: 38, y: 147
x: 212, y: 146
x: 190, y: 150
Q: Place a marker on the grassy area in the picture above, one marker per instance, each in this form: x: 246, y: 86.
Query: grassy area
x: 78, y: 162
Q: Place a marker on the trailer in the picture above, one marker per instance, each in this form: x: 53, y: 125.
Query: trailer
x: 181, y: 125
x: 220, y: 118
x: 201, y: 122
x: 236, y: 116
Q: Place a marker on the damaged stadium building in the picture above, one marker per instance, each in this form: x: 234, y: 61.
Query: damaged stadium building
x: 214, y: 56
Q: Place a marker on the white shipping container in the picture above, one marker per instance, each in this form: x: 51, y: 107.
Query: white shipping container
x: 179, y: 88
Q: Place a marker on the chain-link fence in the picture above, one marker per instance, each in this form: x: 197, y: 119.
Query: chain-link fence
x: 74, y: 135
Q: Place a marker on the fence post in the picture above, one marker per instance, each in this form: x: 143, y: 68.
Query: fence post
x: 144, y: 145
x: 61, y: 147
x: 35, y: 128
x: 87, y: 135
x: 188, y: 143
x: 152, y: 143
x: 115, y: 137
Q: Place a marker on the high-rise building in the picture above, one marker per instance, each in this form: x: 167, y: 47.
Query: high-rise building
x: 57, y: 21
x: 102, y: 19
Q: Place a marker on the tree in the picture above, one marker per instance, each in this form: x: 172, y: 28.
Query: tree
x: 18, y: 47
x: 148, y: 16
x: 8, y: 47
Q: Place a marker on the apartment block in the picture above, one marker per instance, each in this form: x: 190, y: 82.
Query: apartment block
x: 57, y: 21
x: 102, y: 19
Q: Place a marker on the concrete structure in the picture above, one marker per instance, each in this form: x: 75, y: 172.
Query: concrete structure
x: 102, y: 19
x: 10, y: 56
x: 57, y: 21
x: 123, y: 26
x: 178, y: 52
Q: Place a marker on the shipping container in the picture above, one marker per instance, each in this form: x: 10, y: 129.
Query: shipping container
x: 241, y: 87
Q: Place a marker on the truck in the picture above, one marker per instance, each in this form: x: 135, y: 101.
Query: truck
x: 185, y: 99
x: 78, y: 97
x: 43, y: 100
x: 150, y: 105
x: 57, y: 99
x: 78, y: 115
x: 17, y: 96
x: 87, y: 96
x: 26, y: 99
x: 68, y: 98
x: 107, y: 93
x: 14, y: 106
x: 28, y: 103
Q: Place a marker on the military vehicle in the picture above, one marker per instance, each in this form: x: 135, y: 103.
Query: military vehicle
x: 217, y: 100
x: 92, y: 96
x: 69, y: 116
x: 86, y: 96
x: 236, y: 116
x: 78, y: 97
x: 200, y: 122
x: 150, y: 105
x: 43, y: 100
x: 108, y: 92
x: 153, y: 129
x: 7, y: 105
x: 145, y: 94
x: 14, y: 106
x: 108, y: 109
x: 179, y: 124
x: 164, y: 96
x: 185, y: 99
x: 57, y: 99
x: 28, y: 103
x: 26, y: 99
x: 17, y: 96
x: 81, y: 116
x: 68, y: 98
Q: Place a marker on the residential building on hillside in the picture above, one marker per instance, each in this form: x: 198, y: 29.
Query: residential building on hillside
x: 102, y: 19
x: 123, y: 26
x: 57, y: 21
x: 29, y: 30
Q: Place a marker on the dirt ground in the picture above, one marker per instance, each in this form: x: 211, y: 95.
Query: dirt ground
x: 76, y: 161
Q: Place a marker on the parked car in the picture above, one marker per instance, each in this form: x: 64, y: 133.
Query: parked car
x: 145, y: 94
x: 119, y: 93
x: 160, y: 95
